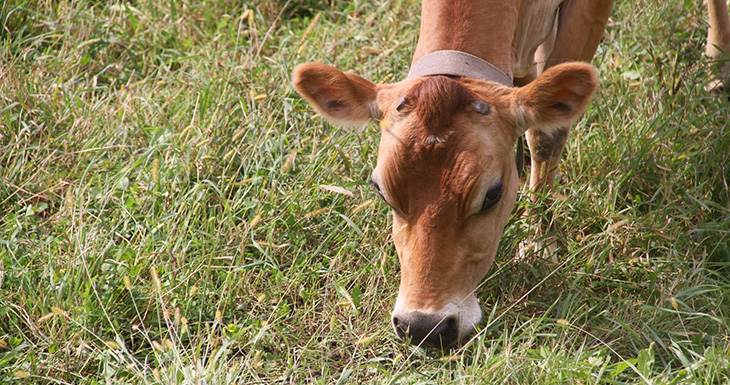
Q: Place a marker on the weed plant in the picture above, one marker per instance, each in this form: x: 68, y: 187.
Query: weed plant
x: 171, y: 212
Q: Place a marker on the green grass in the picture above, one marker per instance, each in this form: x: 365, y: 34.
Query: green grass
x: 163, y: 219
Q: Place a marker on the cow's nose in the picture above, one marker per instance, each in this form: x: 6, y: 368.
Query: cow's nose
x: 428, y: 330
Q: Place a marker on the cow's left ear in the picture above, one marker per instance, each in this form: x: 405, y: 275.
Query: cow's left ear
x: 343, y: 98
x: 556, y: 98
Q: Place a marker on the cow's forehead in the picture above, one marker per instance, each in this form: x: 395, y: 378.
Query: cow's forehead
x: 419, y: 163
x: 434, y: 122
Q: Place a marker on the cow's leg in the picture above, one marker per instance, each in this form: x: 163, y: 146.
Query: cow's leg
x: 579, y: 30
x: 718, y: 45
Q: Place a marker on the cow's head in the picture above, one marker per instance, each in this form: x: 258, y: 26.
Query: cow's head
x: 447, y: 169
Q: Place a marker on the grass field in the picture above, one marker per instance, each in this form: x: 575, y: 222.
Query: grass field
x: 165, y: 215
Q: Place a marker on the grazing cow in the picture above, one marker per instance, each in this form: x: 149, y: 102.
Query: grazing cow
x: 445, y: 163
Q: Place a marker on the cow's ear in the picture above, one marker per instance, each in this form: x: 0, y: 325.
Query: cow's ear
x: 342, y: 98
x: 556, y: 98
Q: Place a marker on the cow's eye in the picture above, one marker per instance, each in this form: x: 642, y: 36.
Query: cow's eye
x: 494, y: 194
x: 400, y: 103
x: 374, y: 185
x: 377, y: 189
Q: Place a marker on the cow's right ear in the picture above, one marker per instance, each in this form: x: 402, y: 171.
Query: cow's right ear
x: 343, y: 98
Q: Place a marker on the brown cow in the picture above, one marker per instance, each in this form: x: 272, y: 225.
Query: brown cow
x: 445, y: 162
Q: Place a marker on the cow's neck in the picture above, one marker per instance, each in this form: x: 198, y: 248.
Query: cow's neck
x: 485, y: 29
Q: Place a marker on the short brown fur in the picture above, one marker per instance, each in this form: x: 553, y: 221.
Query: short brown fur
x: 437, y: 99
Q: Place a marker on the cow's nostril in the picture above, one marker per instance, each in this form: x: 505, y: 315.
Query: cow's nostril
x: 445, y: 327
x: 401, y: 328
x: 453, y: 323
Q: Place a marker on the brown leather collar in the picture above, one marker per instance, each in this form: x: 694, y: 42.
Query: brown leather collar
x: 458, y: 63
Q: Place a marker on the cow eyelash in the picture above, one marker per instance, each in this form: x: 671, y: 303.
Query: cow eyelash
x: 378, y: 191
x: 400, y: 103
x: 374, y: 185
